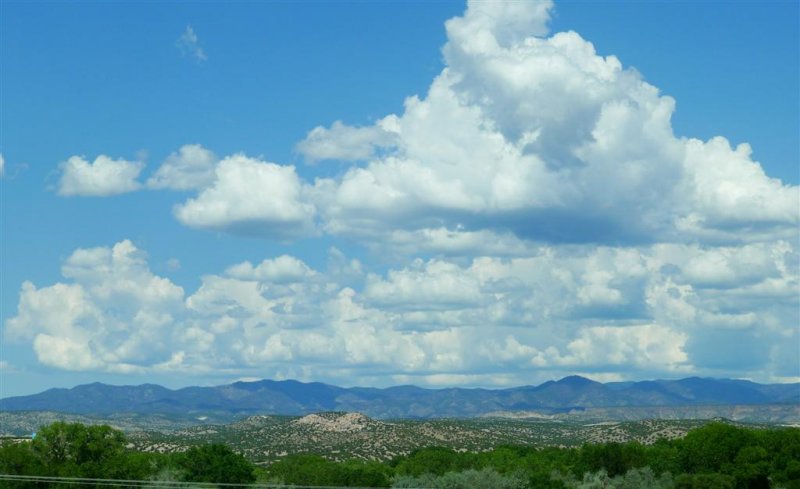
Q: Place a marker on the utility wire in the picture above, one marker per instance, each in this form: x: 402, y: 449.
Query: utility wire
x: 156, y: 483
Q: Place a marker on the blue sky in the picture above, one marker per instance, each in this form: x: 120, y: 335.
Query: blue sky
x: 359, y: 193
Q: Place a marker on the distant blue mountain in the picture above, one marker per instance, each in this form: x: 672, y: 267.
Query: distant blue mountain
x: 291, y: 397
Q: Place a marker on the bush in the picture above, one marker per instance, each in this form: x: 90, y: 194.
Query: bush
x: 434, y: 460
x: 468, y: 479
x: 704, y: 481
x: 215, y: 463
x: 633, y: 479
x: 713, y: 448
x: 313, y: 470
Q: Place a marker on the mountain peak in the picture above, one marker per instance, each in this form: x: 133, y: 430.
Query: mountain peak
x: 576, y: 380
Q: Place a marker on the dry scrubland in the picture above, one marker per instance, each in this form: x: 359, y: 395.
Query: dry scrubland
x: 341, y: 436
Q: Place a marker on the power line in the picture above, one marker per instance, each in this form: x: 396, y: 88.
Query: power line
x: 165, y: 484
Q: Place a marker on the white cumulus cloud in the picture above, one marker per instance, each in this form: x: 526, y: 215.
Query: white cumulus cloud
x: 544, y: 138
x: 192, y: 167
x: 111, y: 316
x: 524, y: 137
x: 283, y: 269
x: 535, y: 215
x: 342, y: 142
x: 252, y: 197
x: 560, y: 310
x: 102, y: 177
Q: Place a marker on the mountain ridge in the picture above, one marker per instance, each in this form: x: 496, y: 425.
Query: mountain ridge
x: 292, y: 397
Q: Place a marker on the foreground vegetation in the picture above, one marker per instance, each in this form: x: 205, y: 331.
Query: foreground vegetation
x: 717, y: 455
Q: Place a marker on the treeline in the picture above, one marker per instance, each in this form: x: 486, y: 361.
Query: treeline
x: 75, y: 450
x: 715, y: 456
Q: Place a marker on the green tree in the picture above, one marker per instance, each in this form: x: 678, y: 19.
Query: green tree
x: 302, y: 469
x: 704, y: 481
x: 752, y: 468
x: 77, y: 450
x: 662, y: 456
x: 215, y: 463
x: 713, y: 448
x: 406, y: 481
x: 504, y: 459
x: 643, y: 478
x: 365, y: 474
x: 791, y: 474
x: 469, y: 479
x: 615, y: 458
x: 783, y: 447
x: 313, y: 470
x: 18, y: 459
x: 434, y: 460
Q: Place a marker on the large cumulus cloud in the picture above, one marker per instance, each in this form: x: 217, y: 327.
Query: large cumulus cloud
x: 544, y: 138
x: 540, y: 216
x: 583, y: 309
x: 110, y: 315
x: 522, y: 137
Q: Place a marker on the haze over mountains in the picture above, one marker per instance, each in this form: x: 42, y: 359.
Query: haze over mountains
x: 291, y: 397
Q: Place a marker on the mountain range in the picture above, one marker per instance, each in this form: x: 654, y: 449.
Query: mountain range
x: 289, y: 397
